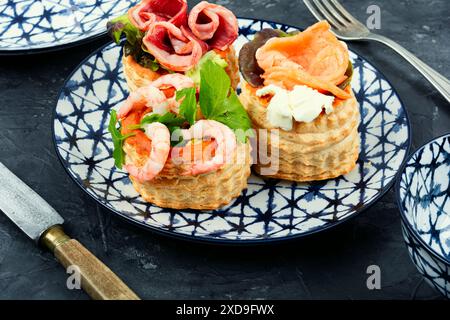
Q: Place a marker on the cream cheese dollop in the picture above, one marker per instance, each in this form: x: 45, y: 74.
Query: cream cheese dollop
x: 302, y: 104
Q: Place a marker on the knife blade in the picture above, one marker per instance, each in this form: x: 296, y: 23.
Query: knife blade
x: 39, y: 221
x: 25, y: 207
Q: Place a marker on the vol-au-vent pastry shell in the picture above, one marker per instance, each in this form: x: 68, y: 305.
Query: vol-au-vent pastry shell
x: 322, y: 149
x: 208, y: 191
x: 138, y: 76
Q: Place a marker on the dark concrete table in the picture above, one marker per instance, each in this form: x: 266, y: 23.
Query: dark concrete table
x: 328, y: 265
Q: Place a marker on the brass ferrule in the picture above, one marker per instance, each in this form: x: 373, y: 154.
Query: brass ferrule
x: 54, y: 237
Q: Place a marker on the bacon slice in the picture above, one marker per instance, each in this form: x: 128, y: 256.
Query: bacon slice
x: 314, y: 57
x: 214, y: 24
x: 150, y: 11
x: 176, y: 49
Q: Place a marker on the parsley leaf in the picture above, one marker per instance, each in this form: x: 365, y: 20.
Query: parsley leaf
x: 214, y: 88
x: 172, y: 121
x: 188, y: 108
x: 194, y: 73
x: 235, y: 117
x: 168, y: 119
x: 118, y: 138
x: 218, y: 101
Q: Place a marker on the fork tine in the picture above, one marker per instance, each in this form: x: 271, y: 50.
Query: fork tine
x: 318, y: 15
x: 343, y: 12
x: 313, y: 10
x: 335, y: 13
x: 328, y: 15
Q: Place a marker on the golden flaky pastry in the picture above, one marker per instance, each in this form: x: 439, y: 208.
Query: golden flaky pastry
x: 322, y: 149
x: 137, y: 76
x: 209, y: 191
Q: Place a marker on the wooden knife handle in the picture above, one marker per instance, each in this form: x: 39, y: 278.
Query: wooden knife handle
x: 99, y: 282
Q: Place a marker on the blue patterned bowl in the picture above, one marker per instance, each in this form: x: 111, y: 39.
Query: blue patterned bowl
x: 423, y: 194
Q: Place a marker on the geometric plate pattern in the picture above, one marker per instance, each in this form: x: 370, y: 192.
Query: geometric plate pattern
x: 435, y: 271
x: 269, y: 210
x: 423, y: 194
x: 31, y: 24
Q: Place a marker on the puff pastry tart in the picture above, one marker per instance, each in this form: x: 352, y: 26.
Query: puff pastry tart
x: 179, y: 142
x: 163, y: 37
x: 298, y: 90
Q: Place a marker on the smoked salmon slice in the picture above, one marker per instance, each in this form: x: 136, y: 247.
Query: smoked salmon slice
x: 314, y: 57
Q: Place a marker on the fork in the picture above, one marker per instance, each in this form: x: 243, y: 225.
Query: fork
x: 347, y: 27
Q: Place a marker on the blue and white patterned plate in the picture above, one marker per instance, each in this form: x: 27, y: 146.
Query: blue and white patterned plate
x: 423, y: 194
x: 31, y: 25
x: 269, y: 210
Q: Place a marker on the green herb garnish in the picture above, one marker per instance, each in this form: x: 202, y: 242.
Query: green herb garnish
x: 235, y: 116
x: 133, y: 46
x: 218, y: 101
x: 118, y: 139
x: 284, y: 34
x: 213, y: 56
x: 147, y: 61
x: 122, y: 25
x: 215, y: 86
x: 168, y: 119
x: 172, y: 121
x: 349, y: 74
x: 188, y: 107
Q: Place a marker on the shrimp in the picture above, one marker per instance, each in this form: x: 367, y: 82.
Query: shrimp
x: 153, y: 97
x: 176, y: 80
x: 160, y: 138
x: 226, y: 145
x: 148, y: 96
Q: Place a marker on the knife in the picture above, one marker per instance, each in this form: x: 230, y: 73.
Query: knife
x: 34, y: 216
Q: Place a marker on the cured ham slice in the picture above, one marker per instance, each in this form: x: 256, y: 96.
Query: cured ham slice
x: 150, y: 11
x: 314, y: 57
x: 176, y: 49
x: 214, y: 24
